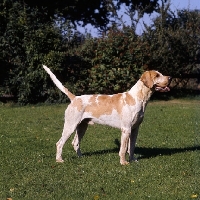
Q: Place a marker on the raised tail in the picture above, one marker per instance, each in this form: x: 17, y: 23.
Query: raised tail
x: 59, y: 84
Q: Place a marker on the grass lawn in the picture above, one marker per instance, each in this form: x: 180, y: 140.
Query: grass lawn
x: 168, y: 148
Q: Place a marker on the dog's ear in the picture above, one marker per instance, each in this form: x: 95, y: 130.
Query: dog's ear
x: 147, y: 79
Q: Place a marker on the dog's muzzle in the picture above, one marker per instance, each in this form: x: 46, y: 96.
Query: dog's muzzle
x: 164, y: 89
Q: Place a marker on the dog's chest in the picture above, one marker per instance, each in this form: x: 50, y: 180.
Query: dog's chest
x: 137, y: 118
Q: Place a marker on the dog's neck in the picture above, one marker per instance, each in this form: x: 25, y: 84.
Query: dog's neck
x: 142, y: 92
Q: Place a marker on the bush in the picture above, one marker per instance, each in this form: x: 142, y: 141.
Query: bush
x: 114, y: 62
x: 27, y: 42
x: 173, y: 43
x: 109, y: 64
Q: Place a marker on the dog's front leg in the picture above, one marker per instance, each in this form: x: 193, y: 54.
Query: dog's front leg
x: 124, y: 143
x: 131, y: 145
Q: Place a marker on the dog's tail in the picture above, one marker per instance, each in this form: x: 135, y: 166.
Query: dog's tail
x: 59, y: 84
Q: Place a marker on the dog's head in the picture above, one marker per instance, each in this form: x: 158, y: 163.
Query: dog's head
x: 156, y: 81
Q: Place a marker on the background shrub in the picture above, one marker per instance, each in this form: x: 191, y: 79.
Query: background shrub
x: 108, y: 64
x: 26, y: 42
x: 173, y: 43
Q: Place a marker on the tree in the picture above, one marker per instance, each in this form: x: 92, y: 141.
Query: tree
x: 96, y: 12
x: 27, y: 41
x: 173, y: 42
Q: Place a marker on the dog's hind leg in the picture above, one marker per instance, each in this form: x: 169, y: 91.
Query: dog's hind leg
x: 80, y: 131
x: 72, y: 120
x: 67, y: 131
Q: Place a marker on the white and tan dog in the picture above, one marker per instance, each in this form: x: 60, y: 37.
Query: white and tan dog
x: 124, y: 111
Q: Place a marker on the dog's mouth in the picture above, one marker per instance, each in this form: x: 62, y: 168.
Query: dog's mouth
x: 162, y: 89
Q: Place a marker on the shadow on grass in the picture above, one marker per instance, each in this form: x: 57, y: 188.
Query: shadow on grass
x: 146, y: 152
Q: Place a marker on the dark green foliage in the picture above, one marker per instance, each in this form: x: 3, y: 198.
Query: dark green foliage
x: 174, y: 43
x: 108, y: 64
x: 145, y: 6
x: 29, y: 37
x: 26, y: 42
x: 114, y: 62
x: 99, y: 13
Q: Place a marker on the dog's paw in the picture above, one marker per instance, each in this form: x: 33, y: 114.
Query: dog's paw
x: 124, y: 162
x: 133, y: 159
x: 59, y: 160
x: 79, y: 153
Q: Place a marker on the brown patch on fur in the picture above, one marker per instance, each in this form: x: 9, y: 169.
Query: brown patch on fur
x: 129, y: 99
x: 140, y: 94
x: 77, y: 102
x: 148, y: 77
x: 69, y: 94
x: 104, y: 105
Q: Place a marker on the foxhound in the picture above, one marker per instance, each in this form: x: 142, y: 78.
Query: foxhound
x: 123, y: 110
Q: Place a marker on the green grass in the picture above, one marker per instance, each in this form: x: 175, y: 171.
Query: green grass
x: 168, y: 148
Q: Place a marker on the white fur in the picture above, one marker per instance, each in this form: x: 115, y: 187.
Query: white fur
x: 55, y: 80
